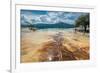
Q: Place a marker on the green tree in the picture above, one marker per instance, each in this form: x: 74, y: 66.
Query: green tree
x: 83, y: 21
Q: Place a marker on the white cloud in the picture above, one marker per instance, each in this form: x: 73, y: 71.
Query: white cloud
x: 50, y: 17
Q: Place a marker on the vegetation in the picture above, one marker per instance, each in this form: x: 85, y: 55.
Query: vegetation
x: 83, y: 21
x: 29, y: 24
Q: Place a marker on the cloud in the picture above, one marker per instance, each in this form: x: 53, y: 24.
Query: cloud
x: 49, y: 17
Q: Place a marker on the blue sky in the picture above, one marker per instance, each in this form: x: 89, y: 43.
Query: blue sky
x: 48, y: 17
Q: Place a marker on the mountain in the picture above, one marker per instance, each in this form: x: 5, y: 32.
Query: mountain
x: 43, y: 26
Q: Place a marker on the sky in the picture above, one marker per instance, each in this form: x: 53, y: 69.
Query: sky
x: 48, y: 17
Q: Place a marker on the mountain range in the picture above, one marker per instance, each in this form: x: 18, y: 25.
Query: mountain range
x: 44, y: 26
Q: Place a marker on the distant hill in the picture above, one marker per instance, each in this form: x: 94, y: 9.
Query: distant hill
x: 44, y: 26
